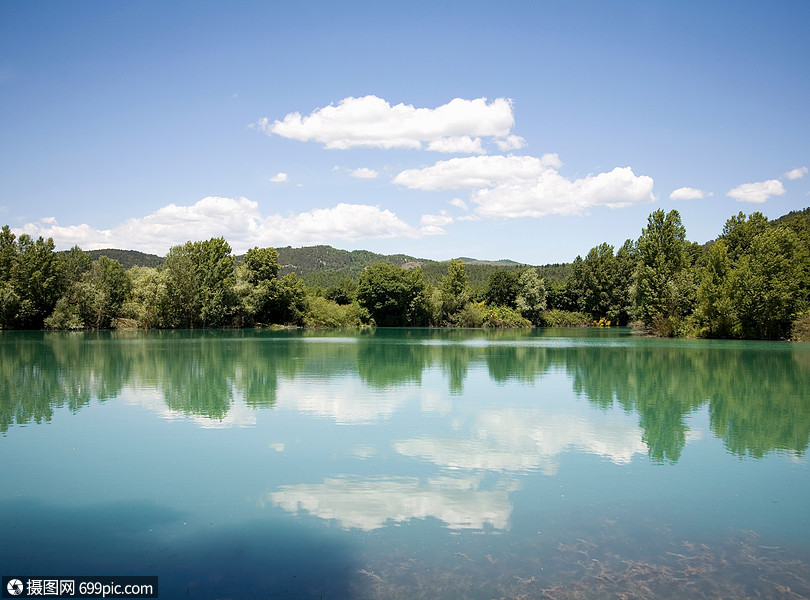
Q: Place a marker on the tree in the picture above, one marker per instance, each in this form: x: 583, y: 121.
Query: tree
x: 502, y: 289
x: 664, y: 288
x: 261, y: 264
x: 393, y: 296
x: 281, y: 301
x: 148, y: 301
x: 454, y: 290
x: 34, y: 282
x: 770, y: 282
x: 531, y: 296
x: 715, y: 309
x: 107, y: 285
x: 199, y: 282
x: 739, y: 233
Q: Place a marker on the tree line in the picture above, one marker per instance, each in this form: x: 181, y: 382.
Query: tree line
x: 752, y: 282
x: 753, y: 415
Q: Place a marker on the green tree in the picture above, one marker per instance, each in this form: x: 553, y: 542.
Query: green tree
x: 148, y: 301
x: 502, y: 289
x: 345, y: 292
x: 739, y: 233
x: 282, y: 301
x: 454, y: 290
x: 393, y: 296
x: 107, y: 285
x: 531, y: 296
x: 261, y: 264
x: 34, y: 282
x: 664, y: 288
x: 199, y: 284
x: 715, y: 309
x: 770, y: 284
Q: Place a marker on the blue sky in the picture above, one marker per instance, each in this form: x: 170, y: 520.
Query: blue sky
x: 524, y: 130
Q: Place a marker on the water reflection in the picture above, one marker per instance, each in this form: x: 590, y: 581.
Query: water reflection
x: 459, y: 501
x: 756, y: 393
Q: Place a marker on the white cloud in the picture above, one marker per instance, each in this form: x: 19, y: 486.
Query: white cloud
x: 372, y: 122
x: 279, y: 178
x: 687, y: 193
x: 459, y: 203
x: 527, y: 440
x: 239, y: 221
x: 757, y: 192
x: 434, y: 224
x: 364, y: 173
x: 512, y: 142
x: 439, y: 220
x: 477, y: 171
x: 797, y: 173
x: 526, y: 186
x: 463, y: 144
x: 369, y: 503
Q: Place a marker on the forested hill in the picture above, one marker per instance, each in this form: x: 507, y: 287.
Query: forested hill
x: 325, y: 266
x: 128, y: 258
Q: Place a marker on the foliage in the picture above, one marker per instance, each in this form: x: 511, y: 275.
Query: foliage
x: 531, y: 296
x: 801, y: 328
x: 454, y: 291
x: 752, y: 282
x: 503, y: 288
x: 664, y: 286
x: 393, y: 296
x: 564, y: 318
x: 504, y: 316
x: 714, y: 306
x: 327, y: 313
x: 199, y: 282
x: 769, y: 288
x: 30, y: 284
x: 127, y: 258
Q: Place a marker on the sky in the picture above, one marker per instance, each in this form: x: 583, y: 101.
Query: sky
x: 531, y: 131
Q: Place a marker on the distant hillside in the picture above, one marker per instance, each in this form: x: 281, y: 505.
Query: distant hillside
x: 326, y: 258
x: 797, y: 219
x: 128, y: 258
x: 325, y: 266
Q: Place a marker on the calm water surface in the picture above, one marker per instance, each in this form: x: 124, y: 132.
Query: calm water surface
x: 408, y: 463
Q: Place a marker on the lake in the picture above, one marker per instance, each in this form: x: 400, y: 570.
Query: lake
x: 408, y: 463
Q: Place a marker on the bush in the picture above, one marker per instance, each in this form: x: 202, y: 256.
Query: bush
x: 503, y: 316
x: 326, y: 313
x: 801, y: 328
x: 471, y: 314
x: 564, y: 318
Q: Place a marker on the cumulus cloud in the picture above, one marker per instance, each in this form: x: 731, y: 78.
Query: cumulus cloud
x: 512, y: 142
x: 461, y: 144
x: 364, y: 173
x: 459, y: 203
x: 239, y: 221
x: 687, y: 193
x: 526, y: 186
x: 279, y: 178
x: 757, y: 192
x: 355, y: 502
x: 797, y: 173
x: 372, y: 122
x: 527, y: 440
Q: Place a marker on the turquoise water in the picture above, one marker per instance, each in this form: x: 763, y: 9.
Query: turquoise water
x: 408, y: 463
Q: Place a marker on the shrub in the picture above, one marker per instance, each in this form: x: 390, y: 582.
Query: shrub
x: 503, y: 316
x: 471, y: 314
x: 801, y: 328
x: 326, y: 313
x: 564, y: 318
